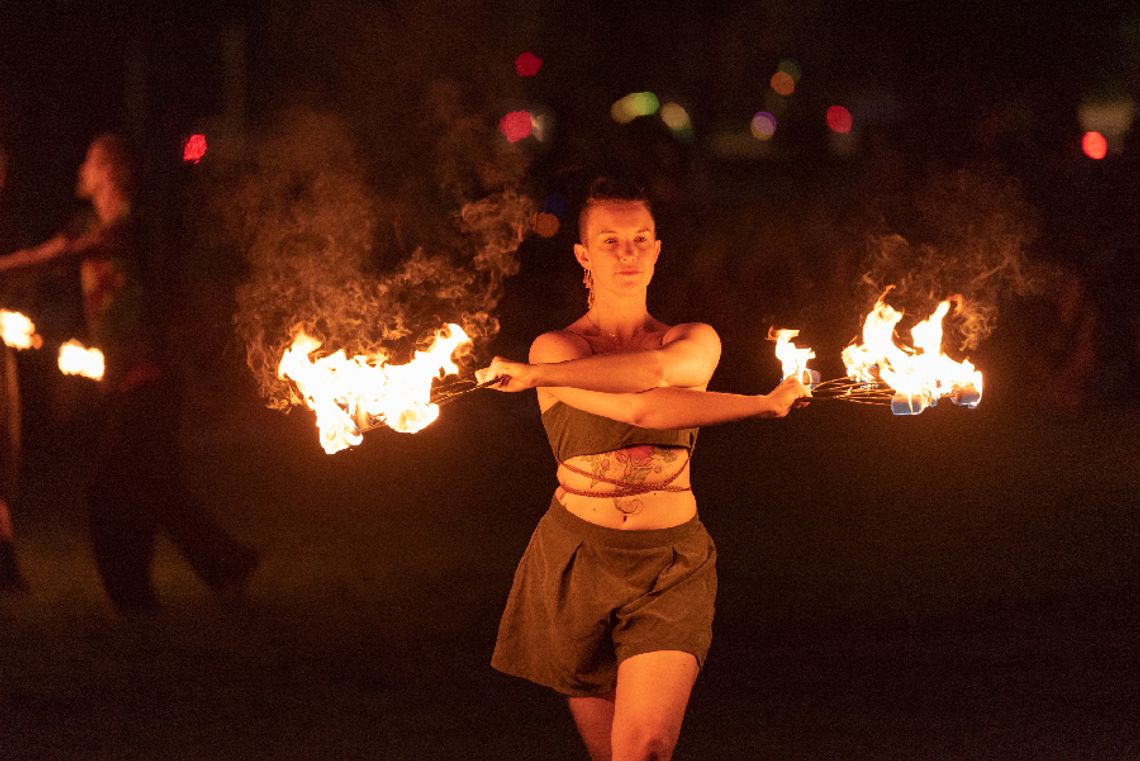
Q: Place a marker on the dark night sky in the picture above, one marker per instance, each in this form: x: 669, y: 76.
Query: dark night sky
x: 63, y: 70
x: 934, y: 88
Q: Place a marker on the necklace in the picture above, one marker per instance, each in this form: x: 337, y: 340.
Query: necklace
x: 598, y: 327
x: 614, y: 336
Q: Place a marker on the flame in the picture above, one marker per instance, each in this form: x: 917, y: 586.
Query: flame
x: 18, y: 331
x: 76, y: 359
x: 793, y: 359
x: 920, y: 374
x: 347, y: 393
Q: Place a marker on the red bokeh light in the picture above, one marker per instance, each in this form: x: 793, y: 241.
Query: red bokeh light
x: 839, y: 119
x: 516, y: 125
x: 193, y: 149
x: 1094, y: 145
x: 527, y: 64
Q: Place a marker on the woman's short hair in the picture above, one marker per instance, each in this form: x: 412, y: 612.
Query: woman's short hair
x: 610, y: 190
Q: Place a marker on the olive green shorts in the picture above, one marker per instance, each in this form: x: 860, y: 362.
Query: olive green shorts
x: 586, y: 597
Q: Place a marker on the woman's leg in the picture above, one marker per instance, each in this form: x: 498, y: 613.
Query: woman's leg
x: 10, y: 578
x: 595, y: 719
x: 652, y: 694
x: 123, y: 535
x: 10, y: 430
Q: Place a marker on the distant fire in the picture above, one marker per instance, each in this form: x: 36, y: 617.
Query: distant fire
x: 18, y: 331
x: 77, y: 359
x: 349, y: 394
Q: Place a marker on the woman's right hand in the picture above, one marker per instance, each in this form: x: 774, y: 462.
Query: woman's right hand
x: 790, y: 393
x: 515, y: 376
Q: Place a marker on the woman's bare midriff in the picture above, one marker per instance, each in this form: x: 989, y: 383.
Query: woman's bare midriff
x: 642, y: 465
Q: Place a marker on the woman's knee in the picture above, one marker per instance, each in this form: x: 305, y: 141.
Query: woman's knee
x: 652, y: 695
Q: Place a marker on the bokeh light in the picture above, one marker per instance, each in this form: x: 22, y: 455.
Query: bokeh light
x: 783, y: 83
x: 546, y: 224
x: 516, y: 125
x: 677, y: 119
x: 839, y: 119
x: 1094, y: 145
x: 541, y: 123
x: 555, y: 204
x: 763, y: 126
x: 791, y: 68
x: 1109, y: 116
x: 675, y: 116
x: 527, y: 64
x: 193, y: 149
x: 634, y: 105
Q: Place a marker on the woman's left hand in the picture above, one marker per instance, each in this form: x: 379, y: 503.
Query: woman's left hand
x: 516, y: 376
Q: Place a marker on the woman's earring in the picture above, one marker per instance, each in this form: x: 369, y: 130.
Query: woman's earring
x: 588, y: 281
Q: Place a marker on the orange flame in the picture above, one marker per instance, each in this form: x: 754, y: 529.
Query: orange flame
x: 76, y: 359
x: 18, y: 331
x: 793, y: 359
x: 347, y: 393
x: 920, y: 374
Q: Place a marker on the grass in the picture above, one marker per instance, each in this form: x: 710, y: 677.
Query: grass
x: 960, y: 585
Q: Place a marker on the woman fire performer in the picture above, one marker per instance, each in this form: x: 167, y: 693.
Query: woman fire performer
x: 612, y: 602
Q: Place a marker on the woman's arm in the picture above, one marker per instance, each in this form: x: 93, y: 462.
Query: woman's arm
x: 684, y: 407
x: 687, y: 358
x: 50, y: 249
x: 663, y: 407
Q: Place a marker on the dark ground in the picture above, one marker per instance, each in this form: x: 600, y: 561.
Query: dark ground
x: 961, y: 585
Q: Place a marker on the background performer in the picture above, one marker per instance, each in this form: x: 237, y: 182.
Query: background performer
x: 136, y: 489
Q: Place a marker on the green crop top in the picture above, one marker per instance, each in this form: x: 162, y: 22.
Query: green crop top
x: 574, y: 432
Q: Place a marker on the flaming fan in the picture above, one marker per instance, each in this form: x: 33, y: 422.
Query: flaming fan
x: 353, y: 395
x: 881, y: 371
x: 17, y: 331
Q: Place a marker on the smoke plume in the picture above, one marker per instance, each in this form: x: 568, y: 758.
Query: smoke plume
x: 965, y: 237
x: 324, y: 251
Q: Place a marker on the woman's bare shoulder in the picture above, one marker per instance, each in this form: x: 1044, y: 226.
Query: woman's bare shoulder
x: 700, y: 331
x: 559, y: 346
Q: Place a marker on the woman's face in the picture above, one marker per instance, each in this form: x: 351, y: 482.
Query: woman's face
x: 621, y: 246
x: 92, y: 173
